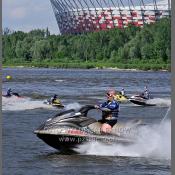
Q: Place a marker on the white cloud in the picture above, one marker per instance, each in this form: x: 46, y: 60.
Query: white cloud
x: 18, y: 13
x: 26, y: 15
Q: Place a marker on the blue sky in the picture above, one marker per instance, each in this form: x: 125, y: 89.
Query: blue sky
x: 25, y: 15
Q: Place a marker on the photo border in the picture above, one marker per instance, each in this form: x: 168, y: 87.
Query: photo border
x: 1, y: 89
x: 172, y: 87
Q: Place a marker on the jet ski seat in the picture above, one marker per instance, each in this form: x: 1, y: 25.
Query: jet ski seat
x: 95, y: 127
x: 119, y: 129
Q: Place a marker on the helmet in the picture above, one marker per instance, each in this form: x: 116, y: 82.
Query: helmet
x: 55, y: 96
x: 9, y: 89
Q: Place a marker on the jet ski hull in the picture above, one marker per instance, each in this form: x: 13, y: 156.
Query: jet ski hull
x: 69, y: 142
x: 54, y: 104
x: 58, y: 106
x: 13, y: 95
x: 141, y: 103
x: 61, y: 142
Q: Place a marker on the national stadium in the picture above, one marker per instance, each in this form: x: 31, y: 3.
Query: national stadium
x: 82, y: 16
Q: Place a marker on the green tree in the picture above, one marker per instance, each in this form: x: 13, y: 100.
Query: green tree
x: 41, y: 50
x: 147, y: 51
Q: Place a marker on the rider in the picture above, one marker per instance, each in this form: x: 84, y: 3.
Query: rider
x: 9, y: 92
x: 122, y: 92
x: 109, y: 118
x: 52, y: 100
x: 146, y: 93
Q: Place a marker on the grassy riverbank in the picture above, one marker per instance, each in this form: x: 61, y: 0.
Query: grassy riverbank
x: 136, y: 64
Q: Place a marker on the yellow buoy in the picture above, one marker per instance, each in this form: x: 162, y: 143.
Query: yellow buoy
x: 8, y: 77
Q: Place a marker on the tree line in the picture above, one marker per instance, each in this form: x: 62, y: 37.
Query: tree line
x: 131, y: 45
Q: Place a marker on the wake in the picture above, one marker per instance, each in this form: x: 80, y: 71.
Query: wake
x: 160, y: 102
x: 20, y: 104
x: 153, y: 141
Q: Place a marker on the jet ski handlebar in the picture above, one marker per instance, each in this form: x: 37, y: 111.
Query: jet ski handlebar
x: 64, y: 112
x: 84, y: 110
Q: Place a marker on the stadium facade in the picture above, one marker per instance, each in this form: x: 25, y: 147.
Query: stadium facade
x: 81, y: 16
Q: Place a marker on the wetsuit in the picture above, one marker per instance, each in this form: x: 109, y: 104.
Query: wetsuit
x: 9, y: 93
x: 146, y: 94
x: 111, y: 116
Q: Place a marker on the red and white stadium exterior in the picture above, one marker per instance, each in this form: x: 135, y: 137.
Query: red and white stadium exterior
x: 80, y: 16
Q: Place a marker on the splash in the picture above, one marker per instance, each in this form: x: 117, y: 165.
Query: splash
x: 59, y: 80
x: 73, y: 106
x: 160, y: 102
x: 152, y: 141
x: 19, y: 104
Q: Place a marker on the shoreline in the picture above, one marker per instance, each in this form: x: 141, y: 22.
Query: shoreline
x: 96, y: 68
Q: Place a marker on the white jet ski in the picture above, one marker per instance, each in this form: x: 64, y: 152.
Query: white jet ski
x: 140, y: 100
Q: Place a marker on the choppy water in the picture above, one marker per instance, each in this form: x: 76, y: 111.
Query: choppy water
x: 24, y: 153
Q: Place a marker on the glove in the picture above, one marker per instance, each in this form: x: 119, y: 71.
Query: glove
x: 96, y: 106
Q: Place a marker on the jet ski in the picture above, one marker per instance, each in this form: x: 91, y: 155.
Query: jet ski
x: 70, y: 128
x: 12, y: 95
x: 57, y: 103
x: 140, y: 100
x: 121, y: 98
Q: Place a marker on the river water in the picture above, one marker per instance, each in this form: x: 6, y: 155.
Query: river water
x: 25, y: 154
